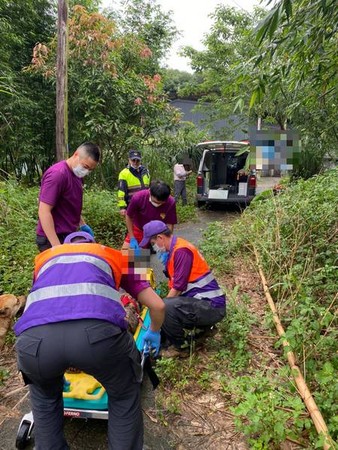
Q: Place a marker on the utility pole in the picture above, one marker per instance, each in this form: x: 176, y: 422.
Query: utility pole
x: 61, y: 83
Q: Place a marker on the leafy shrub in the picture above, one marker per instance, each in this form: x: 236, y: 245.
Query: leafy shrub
x: 100, y: 211
x: 295, y: 236
x: 18, y: 216
x: 267, y: 412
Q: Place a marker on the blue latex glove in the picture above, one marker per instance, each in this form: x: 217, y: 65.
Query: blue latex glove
x: 151, y: 340
x: 134, y: 244
x: 86, y: 228
x: 163, y: 257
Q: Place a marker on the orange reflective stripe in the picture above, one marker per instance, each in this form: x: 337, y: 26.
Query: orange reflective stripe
x: 199, y: 265
x: 113, y: 257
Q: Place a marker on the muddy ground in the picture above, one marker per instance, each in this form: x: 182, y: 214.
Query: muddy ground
x: 204, y: 419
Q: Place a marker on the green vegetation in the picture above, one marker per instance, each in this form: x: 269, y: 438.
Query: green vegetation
x: 4, y: 374
x: 18, y: 218
x: 260, y: 65
x: 295, y: 235
x: 283, y: 72
x: 115, y: 87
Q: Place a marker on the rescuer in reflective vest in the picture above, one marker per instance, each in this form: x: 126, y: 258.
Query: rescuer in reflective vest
x: 74, y: 318
x: 195, y: 299
x: 135, y: 177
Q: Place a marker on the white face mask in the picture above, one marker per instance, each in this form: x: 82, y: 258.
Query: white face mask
x: 159, y: 249
x: 153, y: 203
x: 80, y: 171
x: 135, y: 165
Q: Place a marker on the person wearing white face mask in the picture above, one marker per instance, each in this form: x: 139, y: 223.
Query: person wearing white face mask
x: 133, y: 178
x: 60, y: 198
x: 155, y: 203
x: 195, y: 299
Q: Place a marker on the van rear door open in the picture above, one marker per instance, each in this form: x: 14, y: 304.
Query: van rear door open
x: 222, y: 174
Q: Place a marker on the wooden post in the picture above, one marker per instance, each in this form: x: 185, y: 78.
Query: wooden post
x: 61, y: 83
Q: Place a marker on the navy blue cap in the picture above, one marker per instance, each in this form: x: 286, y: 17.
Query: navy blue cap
x: 134, y: 154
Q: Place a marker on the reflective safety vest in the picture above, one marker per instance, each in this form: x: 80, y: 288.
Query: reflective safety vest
x: 201, y: 282
x: 131, y: 181
x: 74, y: 281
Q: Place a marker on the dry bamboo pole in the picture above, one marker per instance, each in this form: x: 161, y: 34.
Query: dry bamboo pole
x: 300, y: 382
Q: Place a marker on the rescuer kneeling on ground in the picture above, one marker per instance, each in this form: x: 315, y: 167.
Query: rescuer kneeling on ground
x: 74, y: 318
x: 195, y: 299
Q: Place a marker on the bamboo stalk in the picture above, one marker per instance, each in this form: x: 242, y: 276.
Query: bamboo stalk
x: 300, y: 382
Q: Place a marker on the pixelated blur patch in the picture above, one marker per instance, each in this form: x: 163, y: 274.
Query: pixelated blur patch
x: 136, y: 263
x: 274, y: 150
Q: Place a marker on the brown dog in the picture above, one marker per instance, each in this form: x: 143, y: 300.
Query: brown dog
x: 9, y: 306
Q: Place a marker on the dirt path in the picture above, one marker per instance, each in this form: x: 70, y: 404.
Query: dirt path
x: 204, y: 419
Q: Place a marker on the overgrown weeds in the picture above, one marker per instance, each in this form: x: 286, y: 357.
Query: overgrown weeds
x: 295, y: 236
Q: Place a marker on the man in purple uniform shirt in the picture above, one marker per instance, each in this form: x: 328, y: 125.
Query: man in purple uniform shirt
x: 74, y: 317
x: 195, y: 299
x: 155, y: 203
x: 60, y: 198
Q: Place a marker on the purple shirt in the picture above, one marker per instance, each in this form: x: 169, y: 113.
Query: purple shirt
x: 63, y: 190
x: 183, y: 261
x: 141, y: 211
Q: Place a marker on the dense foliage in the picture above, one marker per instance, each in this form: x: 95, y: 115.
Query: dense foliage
x: 295, y: 235
x: 278, y: 67
x: 298, y: 41
x: 27, y: 113
x: 115, y: 88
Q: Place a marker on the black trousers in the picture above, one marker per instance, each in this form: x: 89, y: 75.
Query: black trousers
x: 43, y: 243
x: 188, y: 313
x: 98, y: 348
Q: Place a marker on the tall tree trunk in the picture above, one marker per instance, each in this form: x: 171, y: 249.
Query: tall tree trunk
x: 61, y: 83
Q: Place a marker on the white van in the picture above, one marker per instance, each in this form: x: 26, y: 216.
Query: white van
x: 223, y: 174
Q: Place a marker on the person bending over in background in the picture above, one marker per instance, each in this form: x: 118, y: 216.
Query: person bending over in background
x: 61, y: 194
x: 74, y: 318
x: 155, y: 203
x: 135, y: 177
x: 195, y: 299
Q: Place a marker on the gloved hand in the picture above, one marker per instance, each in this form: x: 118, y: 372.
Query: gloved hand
x: 163, y: 257
x: 86, y: 228
x: 134, y: 246
x: 151, y: 340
